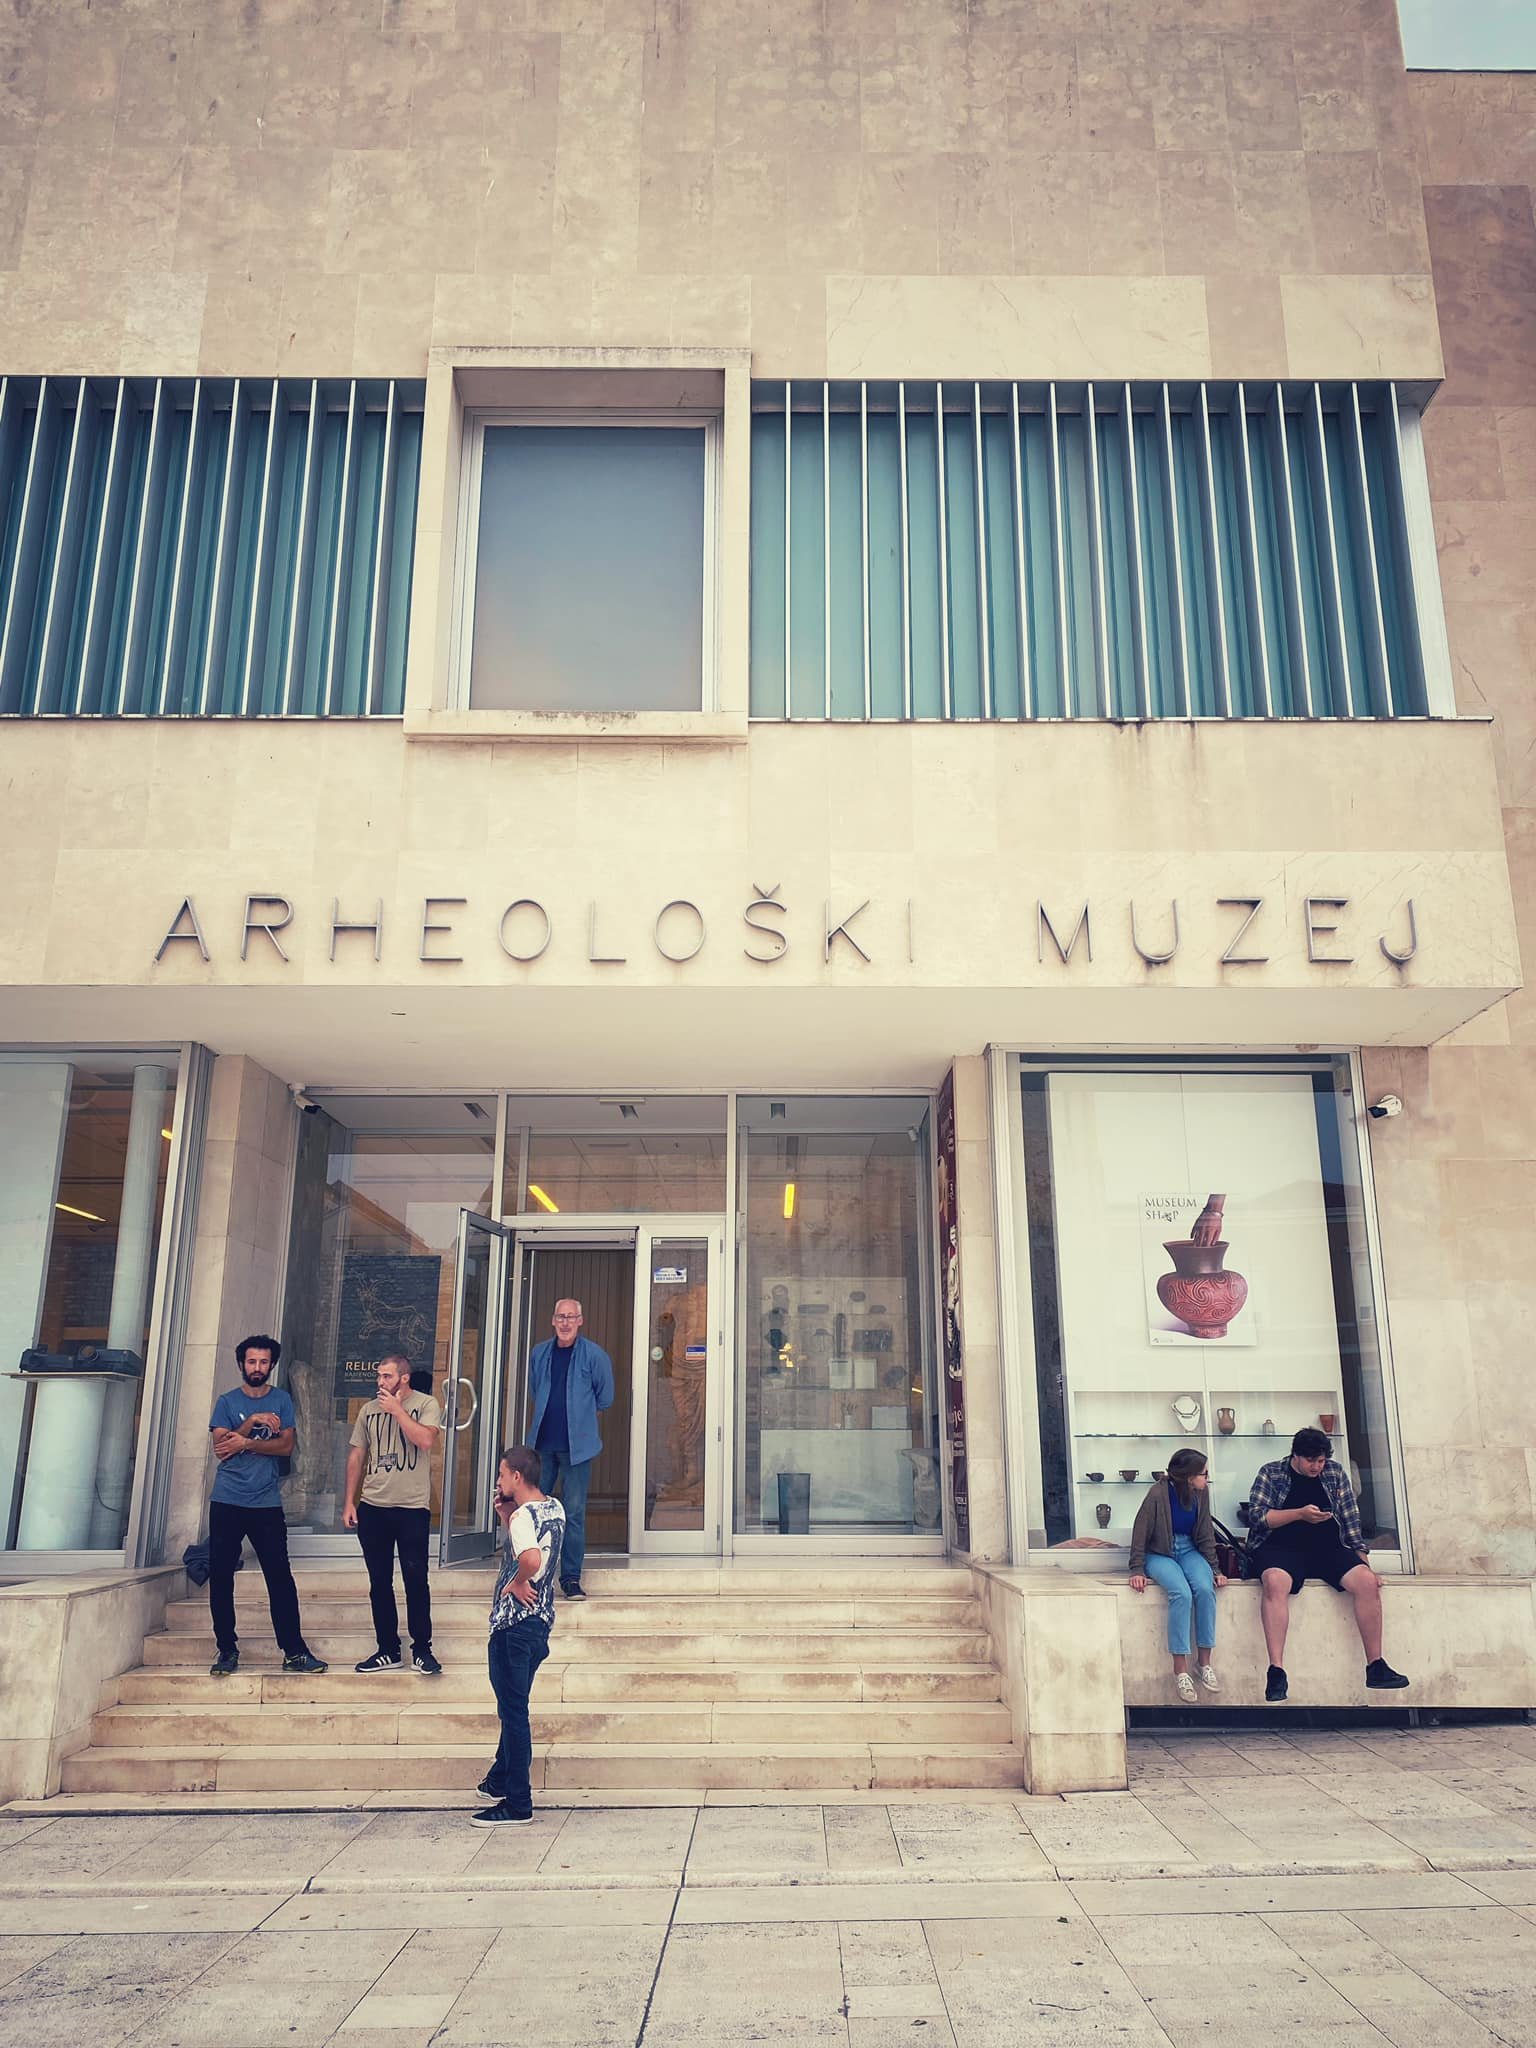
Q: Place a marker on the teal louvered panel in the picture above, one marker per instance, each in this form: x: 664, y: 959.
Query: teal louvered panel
x: 981, y: 551
x: 206, y: 547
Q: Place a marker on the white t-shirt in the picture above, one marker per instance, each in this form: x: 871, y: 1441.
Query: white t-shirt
x: 537, y: 1525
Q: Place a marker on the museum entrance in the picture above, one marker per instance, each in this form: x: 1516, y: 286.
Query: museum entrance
x: 650, y: 1295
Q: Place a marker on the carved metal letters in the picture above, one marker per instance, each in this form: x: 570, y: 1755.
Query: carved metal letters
x: 1316, y: 931
x: 174, y: 934
x: 841, y: 931
x: 679, y: 930
x: 270, y: 925
x: 1253, y: 905
x: 1156, y: 959
x: 765, y: 904
x: 1081, y: 930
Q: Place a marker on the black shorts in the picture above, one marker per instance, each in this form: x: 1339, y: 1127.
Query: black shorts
x: 1326, y: 1561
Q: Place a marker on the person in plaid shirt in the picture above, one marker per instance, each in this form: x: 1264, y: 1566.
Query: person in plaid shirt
x: 1304, y: 1523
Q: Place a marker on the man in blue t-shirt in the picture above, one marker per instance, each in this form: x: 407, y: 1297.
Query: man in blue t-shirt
x: 252, y: 1428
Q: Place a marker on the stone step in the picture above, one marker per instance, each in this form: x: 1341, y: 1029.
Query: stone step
x: 827, y: 1579
x: 617, y: 1682
x: 464, y: 1649
x: 425, y: 1723
x: 350, y: 1610
x: 562, y: 1766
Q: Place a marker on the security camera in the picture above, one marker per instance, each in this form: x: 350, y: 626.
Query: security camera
x: 1389, y: 1105
x: 306, y: 1103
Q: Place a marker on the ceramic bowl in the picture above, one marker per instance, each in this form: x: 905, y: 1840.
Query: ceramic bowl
x: 1096, y: 1478
x: 1128, y: 1471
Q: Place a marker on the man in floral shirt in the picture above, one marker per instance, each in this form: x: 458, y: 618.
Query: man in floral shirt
x: 1304, y: 1523
x: 522, y: 1615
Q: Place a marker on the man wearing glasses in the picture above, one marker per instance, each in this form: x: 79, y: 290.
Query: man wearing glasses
x: 1304, y: 1523
x: 570, y: 1383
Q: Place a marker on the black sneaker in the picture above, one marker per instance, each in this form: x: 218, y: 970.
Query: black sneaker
x: 500, y: 1817
x: 570, y: 1589
x: 305, y: 1663
x: 1276, y: 1686
x: 425, y: 1665
x: 381, y: 1660
x: 488, y: 1790
x: 225, y: 1665
x: 1380, y: 1676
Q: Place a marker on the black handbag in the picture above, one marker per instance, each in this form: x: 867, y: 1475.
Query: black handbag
x: 1231, y: 1557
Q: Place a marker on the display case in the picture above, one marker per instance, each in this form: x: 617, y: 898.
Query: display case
x: 1115, y: 1434
x: 1195, y: 1259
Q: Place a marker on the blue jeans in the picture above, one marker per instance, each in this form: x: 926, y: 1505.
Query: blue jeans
x: 515, y: 1655
x: 575, y: 1477
x: 1186, y: 1579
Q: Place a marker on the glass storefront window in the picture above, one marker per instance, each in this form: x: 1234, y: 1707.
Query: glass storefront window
x: 591, y: 1156
x: 86, y: 1143
x: 1199, y: 1274
x: 836, y: 1411
x: 372, y: 1267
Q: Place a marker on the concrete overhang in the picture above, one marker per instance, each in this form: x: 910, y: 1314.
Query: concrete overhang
x: 827, y: 905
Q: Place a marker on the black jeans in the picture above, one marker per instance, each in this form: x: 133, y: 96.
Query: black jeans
x: 382, y: 1531
x: 515, y: 1655
x: 228, y: 1526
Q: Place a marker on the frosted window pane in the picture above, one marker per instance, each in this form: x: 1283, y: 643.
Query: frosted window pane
x: 589, y: 580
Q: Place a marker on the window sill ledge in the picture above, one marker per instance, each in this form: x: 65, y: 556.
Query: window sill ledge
x: 713, y: 728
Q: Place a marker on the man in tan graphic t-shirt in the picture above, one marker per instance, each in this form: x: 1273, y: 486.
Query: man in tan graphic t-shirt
x: 391, y: 1461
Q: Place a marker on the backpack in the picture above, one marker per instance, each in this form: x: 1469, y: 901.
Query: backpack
x: 1231, y: 1557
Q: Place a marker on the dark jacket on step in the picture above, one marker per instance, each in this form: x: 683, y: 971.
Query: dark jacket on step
x: 1153, y: 1528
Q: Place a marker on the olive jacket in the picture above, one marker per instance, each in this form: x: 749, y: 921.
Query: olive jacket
x: 1153, y: 1528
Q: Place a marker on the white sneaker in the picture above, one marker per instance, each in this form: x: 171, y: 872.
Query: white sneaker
x: 1209, y: 1679
x: 1184, y: 1685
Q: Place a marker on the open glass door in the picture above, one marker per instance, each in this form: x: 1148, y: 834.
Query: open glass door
x: 679, y: 1358
x: 473, y: 1395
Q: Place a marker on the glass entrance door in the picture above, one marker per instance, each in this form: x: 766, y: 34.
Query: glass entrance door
x: 597, y: 1269
x: 675, y: 1460
x: 477, y: 1362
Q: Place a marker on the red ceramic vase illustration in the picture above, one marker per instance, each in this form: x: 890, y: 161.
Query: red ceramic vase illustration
x: 1203, y: 1296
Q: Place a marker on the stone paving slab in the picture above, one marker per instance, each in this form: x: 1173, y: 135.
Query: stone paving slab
x: 1247, y: 1877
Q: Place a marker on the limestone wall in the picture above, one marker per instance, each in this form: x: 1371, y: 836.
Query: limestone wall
x: 1232, y: 190
x: 1456, y: 1175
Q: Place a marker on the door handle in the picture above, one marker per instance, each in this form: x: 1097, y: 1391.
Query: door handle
x: 474, y: 1403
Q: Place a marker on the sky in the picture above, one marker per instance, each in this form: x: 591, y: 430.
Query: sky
x: 1469, y: 35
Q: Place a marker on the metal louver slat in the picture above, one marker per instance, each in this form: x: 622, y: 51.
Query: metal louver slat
x: 151, y: 564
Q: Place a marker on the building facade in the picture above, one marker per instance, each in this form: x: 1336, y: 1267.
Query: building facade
x: 810, y: 682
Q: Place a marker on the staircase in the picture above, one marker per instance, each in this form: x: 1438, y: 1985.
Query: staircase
x: 667, y: 1678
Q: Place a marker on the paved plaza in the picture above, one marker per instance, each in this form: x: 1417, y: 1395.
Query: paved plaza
x: 1363, y: 1887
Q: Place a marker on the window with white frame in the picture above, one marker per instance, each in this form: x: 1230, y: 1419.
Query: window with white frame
x: 587, y: 548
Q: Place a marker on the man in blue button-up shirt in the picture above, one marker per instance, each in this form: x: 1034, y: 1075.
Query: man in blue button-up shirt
x: 570, y: 1383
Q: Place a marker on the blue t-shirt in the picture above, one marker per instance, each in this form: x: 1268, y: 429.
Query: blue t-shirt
x: 1184, y: 1518
x: 554, y: 1425
x: 249, y: 1479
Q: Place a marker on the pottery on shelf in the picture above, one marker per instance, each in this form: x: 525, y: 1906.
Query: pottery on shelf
x: 1129, y: 1471
x: 1226, y: 1420
x: 1328, y: 1423
x: 1096, y: 1478
x: 1267, y: 1426
x: 1101, y: 1514
x: 1199, y: 1291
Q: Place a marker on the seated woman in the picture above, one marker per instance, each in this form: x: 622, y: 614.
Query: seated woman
x: 1173, y: 1542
